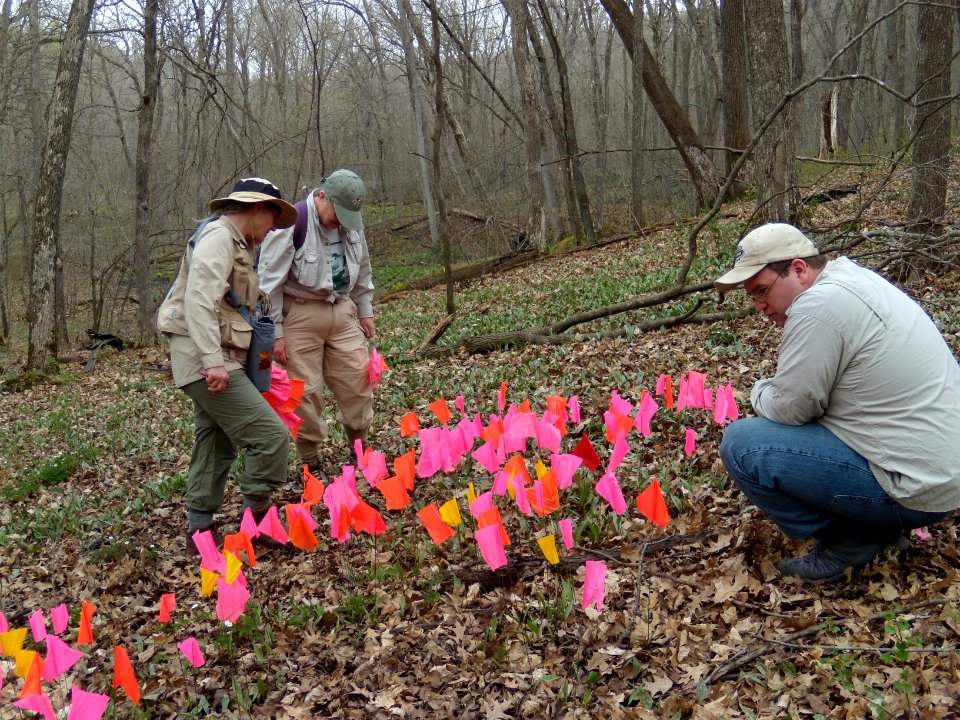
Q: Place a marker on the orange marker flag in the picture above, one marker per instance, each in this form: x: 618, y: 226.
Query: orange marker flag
x: 651, y: 504
x: 123, y: 675
x: 31, y: 685
x: 405, y: 466
x: 312, y: 489
x: 395, y: 492
x: 502, y: 397
x: 492, y: 432
x: 409, y: 424
x: 439, y: 531
x: 551, y: 496
x: 365, y: 518
x: 301, y: 535
x: 517, y: 466
x: 441, y: 410
x: 492, y: 517
x: 168, y: 603
x: 524, y: 407
x: 240, y: 541
x: 668, y: 391
x: 85, y: 635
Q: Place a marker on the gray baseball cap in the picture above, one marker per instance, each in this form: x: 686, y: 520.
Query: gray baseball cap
x: 345, y: 190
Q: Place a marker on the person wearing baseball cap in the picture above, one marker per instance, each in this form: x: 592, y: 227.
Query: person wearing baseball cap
x: 209, y: 339
x: 320, y: 283
x: 857, y: 434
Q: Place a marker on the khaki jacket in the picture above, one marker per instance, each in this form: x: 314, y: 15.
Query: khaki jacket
x: 216, y: 260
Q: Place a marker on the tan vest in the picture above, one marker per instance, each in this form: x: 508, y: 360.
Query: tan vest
x: 242, y: 279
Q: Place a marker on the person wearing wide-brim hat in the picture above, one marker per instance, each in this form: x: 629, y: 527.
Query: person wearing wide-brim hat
x: 209, y: 339
x: 857, y: 438
x: 320, y: 283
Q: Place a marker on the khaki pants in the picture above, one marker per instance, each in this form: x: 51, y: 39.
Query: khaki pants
x: 325, y: 345
x: 235, y: 418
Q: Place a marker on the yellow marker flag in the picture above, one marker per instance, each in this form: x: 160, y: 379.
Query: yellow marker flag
x: 471, y: 494
x: 24, y: 659
x: 541, y: 469
x: 234, y: 566
x: 11, y: 641
x: 208, y: 581
x: 548, y: 546
x: 450, y: 513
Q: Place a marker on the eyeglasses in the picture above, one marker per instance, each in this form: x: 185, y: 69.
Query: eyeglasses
x: 760, y: 296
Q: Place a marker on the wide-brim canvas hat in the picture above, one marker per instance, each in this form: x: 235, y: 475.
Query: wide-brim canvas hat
x: 766, y: 244
x: 345, y: 190
x: 255, y: 190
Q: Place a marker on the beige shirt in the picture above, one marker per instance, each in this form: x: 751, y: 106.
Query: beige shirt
x: 204, y: 329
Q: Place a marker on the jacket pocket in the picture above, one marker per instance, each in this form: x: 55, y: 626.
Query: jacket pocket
x: 236, y: 334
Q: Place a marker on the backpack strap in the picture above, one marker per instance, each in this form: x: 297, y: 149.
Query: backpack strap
x: 300, y: 227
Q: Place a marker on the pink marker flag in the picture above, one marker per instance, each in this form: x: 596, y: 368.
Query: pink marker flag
x: 376, y: 468
x: 720, y: 407
x: 564, y: 466
x: 39, y: 704
x: 619, y: 405
x: 491, y: 546
x: 168, y: 603
x: 500, y: 483
x: 690, y: 443
x: 249, y: 525
x: 921, y: 534
x: 609, y: 489
x: 733, y: 412
x: 502, y: 397
x: 573, y: 405
x: 486, y: 455
x: 86, y: 705
x: 458, y: 402
x: 696, y: 392
x: 648, y: 408
x: 620, y: 450
x: 376, y: 367
x: 231, y: 599
x: 4, y: 626
x: 594, y: 577
x: 272, y: 527
x: 483, y: 503
x: 210, y: 556
x: 38, y: 626
x: 566, y: 532
x: 683, y: 395
x: 661, y: 384
x: 60, y: 658
x: 548, y: 436
x: 60, y: 617
x: 520, y: 494
x: 191, y: 649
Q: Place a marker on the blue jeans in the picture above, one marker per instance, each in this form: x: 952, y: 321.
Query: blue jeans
x: 811, y: 484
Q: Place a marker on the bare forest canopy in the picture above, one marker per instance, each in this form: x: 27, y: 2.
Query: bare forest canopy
x: 552, y: 122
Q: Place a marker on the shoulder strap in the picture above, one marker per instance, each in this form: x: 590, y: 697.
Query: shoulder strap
x: 192, y: 242
x: 300, y: 228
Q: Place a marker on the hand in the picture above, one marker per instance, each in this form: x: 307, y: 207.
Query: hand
x: 280, y: 351
x: 368, y: 327
x: 217, y: 379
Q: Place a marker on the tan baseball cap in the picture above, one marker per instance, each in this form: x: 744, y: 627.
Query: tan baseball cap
x: 766, y: 244
x: 345, y: 190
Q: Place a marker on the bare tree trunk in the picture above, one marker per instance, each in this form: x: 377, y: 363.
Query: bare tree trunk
x: 141, y: 242
x: 519, y: 24
x: 703, y: 173
x: 774, y: 165
x: 931, y: 152
x: 796, y: 41
x: 440, y: 109
x: 842, y: 97
x: 736, y: 111
x: 413, y: 82
x: 43, y: 333
x: 571, y: 146
x: 636, y: 124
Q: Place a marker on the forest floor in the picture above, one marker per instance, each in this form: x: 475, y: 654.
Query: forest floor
x: 695, y: 621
